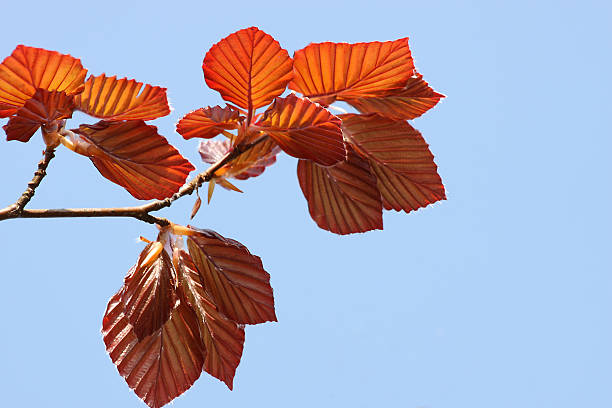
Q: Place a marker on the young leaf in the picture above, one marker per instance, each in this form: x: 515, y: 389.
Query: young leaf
x: 44, y: 107
x: 410, y: 102
x: 399, y: 157
x: 196, y: 207
x: 305, y: 130
x: 122, y: 99
x: 248, y: 68
x: 329, y: 71
x: 208, y: 122
x: 223, y: 338
x: 251, y: 163
x: 236, y: 279
x: 344, y: 198
x: 133, y: 155
x: 148, y: 293
x: 28, y: 69
x: 161, y: 366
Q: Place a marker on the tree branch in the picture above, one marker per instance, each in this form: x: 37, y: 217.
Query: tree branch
x: 139, y: 212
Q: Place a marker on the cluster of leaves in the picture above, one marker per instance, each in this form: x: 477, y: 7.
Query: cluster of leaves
x: 182, y: 310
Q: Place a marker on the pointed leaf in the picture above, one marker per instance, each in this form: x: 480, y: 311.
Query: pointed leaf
x: 399, y: 157
x: 161, y: 366
x: 305, y: 130
x: 28, y: 69
x: 208, y: 122
x: 133, y: 155
x: 223, y: 338
x: 328, y: 71
x: 148, y: 293
x: 236, y: 279
x: 248, y: 68
x: 122, y: 99
x: 410, y: 102
x: 344, y: 198
x: 251, y: 163
x: 43, y: 108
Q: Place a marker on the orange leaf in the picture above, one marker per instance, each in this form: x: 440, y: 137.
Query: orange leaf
x: 122, y: 99
x: 133, y: 155
x: 7, y: 110
x: 304, y: 129
x: 208, y: 122
x: 148, y: 293
x: 248, y: 68
x: 400, y: 159
x: 410, y: 102
x: 344, y: 198
x: 161, y: 366
x: 251, y: 163
x: 223, y: 338
x: 28, y: 68
x: 329, y: 71
x: 236, y: 279
x: 43, y: 108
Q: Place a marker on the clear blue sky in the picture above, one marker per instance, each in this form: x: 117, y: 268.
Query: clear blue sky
x: 500, y: 296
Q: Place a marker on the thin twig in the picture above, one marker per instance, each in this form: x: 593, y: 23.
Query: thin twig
x: 139, y: 212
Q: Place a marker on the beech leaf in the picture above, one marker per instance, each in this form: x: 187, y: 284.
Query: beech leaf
x: 122, y: 99
x: 343, y: 199
x: 43, y: 108
x: 235, y: 279
x: 399, y: 158
x: 148, y: 293
x: 304, y: 129
x: 133, y: 155
x: 410, y: 102
x: 28, y: 69
x: 161, y: 366
x: 329, y: 71
x: 208, y: 122
x: 248, y: 68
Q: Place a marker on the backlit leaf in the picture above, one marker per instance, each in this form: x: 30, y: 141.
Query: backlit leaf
x: 236, y: 279
x: 122, y: 99
x: 148, y: 293
x: 133, y: 155
x: 248, y: 68
x: 410, y: 102
x: 305, y: 130
x: 223, y: 338
x: 43, y: 108
x: 161, y: 366
x: 208, y: 122
x: 28, y: 69
x: 328, y: 71
x: 251, y: 163
x: 400, y: 159
x: 344, y: 198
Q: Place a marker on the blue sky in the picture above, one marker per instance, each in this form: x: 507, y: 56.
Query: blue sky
x: 498, y: 297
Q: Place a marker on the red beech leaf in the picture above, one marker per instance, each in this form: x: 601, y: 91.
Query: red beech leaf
x: 248, y: 68
x: 122, y: 99
x: 235, y: 279
x: 400, y: 159
x: 161, y: 366
x: 208, y: 122
x: 410, y: 102
x: 43, y: 108
x: 7, y: 110
x: 305, y: 130
x: 328, y: 71
x: 28, y: 69
x: 223, y: 338
x: 251, y: 163
x: 133, y: 155
x: 344, y: 198
x: 148, y: 293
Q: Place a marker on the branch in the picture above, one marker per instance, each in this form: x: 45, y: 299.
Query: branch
x: 139, y: 212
